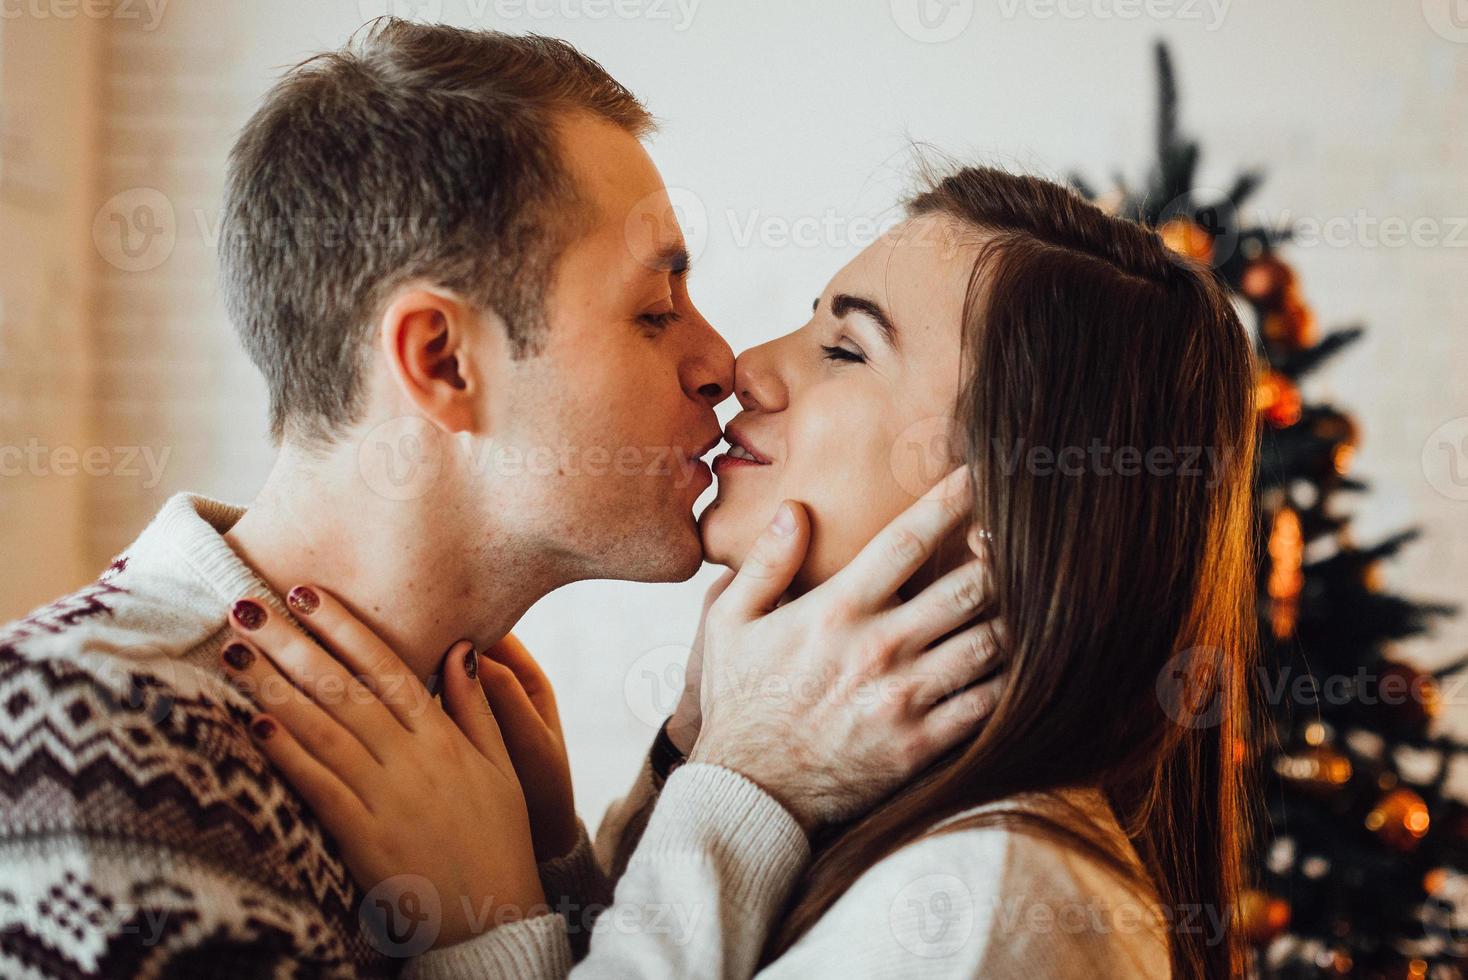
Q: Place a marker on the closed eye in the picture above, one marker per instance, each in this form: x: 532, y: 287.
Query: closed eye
x: 842, y: 354
x: 660, y: 320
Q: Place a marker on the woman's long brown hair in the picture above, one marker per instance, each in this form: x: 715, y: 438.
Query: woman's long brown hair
x: 1125, y: 583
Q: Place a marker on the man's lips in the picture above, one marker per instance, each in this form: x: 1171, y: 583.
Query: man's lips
x: 700, y: 453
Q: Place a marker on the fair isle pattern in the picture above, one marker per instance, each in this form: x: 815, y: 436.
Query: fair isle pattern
x: 141, y: 832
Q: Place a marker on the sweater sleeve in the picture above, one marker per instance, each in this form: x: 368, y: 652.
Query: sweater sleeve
x: 713, y: 866
x: 625, y: 821
x: 577, y: 889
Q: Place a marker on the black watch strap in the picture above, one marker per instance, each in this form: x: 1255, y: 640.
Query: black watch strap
x: 664, y: 756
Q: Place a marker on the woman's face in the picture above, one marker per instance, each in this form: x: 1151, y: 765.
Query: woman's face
x: 851, y: 414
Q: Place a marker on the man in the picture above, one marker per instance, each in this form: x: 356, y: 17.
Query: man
x: 452, y: 260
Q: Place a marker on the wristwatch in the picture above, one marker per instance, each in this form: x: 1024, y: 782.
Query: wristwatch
x: 664, y: 756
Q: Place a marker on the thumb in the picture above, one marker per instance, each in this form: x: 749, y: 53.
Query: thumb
x: 771, y: 564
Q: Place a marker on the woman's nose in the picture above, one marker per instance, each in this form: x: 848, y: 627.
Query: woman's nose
x: 758, y: 382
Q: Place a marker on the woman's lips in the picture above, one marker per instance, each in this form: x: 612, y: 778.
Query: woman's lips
x: 723, y: 463
x: 740, y: 455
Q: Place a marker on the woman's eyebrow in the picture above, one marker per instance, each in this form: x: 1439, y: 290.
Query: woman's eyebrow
x: 844, y: 303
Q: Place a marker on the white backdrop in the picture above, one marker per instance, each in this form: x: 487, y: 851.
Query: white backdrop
x: 785, y: 134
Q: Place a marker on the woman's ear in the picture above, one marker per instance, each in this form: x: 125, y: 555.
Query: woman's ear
x: 426, y: 336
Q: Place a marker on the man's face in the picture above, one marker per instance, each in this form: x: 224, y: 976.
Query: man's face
x: 611, y: 416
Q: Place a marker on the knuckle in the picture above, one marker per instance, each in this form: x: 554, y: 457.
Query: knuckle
x: 905, y: 546
x: 837, y: 612
x: 323, y: 740
x: 875, y: 655
x: 968, y: 593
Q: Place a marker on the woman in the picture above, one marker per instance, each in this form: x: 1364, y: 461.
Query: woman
x: 1098, y: 390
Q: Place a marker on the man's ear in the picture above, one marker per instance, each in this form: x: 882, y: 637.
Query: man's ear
x: 426, y: 337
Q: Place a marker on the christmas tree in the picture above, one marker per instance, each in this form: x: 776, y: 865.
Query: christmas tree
x: 1361, y: 861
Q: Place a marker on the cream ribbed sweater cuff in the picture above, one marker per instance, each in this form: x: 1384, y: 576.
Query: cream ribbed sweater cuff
x: 533, y: 949
x: 707, y: 812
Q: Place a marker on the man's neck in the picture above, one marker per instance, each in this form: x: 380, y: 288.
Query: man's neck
x: 386, y: 560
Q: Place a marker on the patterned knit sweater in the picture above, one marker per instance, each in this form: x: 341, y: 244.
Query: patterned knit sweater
x: 141, y: 832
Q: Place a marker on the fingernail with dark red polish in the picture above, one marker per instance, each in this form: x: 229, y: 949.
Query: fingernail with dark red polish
x: 303, y: 600
x: 471, y: 663
x: 238, y: 656
x: 262, y: 728
x: 249, y: 614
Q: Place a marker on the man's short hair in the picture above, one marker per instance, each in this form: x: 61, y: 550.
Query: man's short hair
x: 416, y: 151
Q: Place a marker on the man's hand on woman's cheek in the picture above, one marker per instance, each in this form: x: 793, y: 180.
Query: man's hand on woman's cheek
x: 831, y: 701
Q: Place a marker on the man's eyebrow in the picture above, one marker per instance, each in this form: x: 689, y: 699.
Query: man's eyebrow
x: 844, y: 303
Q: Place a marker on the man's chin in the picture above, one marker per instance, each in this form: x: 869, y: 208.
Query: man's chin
x: 679, y: 559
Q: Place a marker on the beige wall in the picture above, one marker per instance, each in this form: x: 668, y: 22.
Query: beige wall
x: 778, y: 116
x: 48, y: 145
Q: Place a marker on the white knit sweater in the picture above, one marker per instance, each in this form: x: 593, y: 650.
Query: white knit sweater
x: 705, y: 884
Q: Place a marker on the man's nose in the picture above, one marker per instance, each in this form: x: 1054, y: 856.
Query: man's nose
x: 711, y: 377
